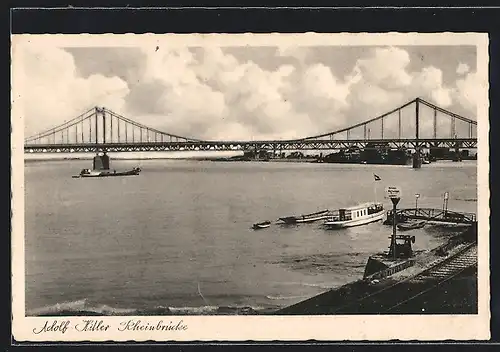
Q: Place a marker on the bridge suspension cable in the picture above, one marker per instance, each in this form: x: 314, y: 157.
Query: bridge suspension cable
x: 417, y: 101
x: 361, y: 123
x: 102, y: 129
x: 61, y: 127
x: 447, y: 112
x: 141, y: 126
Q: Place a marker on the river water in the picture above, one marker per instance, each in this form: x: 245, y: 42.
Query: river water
x: 177, y: 240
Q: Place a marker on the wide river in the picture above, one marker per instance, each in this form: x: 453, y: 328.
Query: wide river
x: 176, y: 239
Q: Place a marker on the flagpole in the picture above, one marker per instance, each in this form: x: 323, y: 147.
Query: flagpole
x: 376, y: 178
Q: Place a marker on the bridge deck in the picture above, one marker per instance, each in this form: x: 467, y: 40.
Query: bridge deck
x: 429, y: 214
x: 100, y: 129
x: 271, y: 145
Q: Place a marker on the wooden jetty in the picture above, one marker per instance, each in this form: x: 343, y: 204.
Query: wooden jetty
x: 431, y: 215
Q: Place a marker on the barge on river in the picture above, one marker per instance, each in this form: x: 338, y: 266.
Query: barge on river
x: 101, y: 169
x: 107, y: 173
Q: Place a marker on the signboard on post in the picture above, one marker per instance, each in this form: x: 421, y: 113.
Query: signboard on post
x: 393, y: 193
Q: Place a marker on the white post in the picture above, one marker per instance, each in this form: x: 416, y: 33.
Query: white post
x: 445, y: 202
x: 417, y: 195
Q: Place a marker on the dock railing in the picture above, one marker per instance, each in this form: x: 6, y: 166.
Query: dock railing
x: 430, y: 214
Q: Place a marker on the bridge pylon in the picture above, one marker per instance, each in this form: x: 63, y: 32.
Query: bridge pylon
x: 417, y: 159
x: 402, y: 129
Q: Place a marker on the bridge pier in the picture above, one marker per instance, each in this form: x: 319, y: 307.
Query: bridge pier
x: 417, y: 160
x: 457, y: 156
x: 101, y: 162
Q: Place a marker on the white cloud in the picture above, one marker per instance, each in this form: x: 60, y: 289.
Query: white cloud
x: 428, y: 83
x: 213, y: 95
x: 469, y: 90
x: 384, y: 81
x: 387, y: 67
x: 208, y: 93
x: 319, y: 82
x: 462, y: 68
x: 53, y: 93
x: 299, y: 53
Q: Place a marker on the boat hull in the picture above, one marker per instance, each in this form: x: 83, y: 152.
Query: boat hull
x: 414, y: 226
x: 356, y: 222
x: 316, y: 218
x: 306, y: 218
x: 258, y: 227
x: 261, y: 226
x: 108, y: 174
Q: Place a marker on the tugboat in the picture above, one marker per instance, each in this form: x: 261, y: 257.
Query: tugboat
x: 101, y: 169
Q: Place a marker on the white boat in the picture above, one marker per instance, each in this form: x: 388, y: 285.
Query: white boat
x: 261, y: 225
x: 360, y: 214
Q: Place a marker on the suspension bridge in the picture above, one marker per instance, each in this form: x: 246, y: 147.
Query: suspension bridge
x: 416, y: 125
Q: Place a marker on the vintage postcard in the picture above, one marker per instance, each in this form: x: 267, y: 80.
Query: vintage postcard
x: 250, y: 187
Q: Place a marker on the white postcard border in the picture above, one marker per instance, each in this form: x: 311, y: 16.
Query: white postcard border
x: 258, y: 328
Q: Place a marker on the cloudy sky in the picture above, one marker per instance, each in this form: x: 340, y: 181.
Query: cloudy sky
x: 245, y: 92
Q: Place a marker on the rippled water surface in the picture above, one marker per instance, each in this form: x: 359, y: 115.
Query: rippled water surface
x: 176, y: 239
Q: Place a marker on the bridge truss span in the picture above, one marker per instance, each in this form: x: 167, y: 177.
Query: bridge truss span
x: 255, y: 145
x: 414, y: 125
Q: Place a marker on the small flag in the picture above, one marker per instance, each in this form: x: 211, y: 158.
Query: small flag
x: 376, y: 177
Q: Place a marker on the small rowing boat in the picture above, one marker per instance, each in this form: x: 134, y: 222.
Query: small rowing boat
x: 261, y: 225
x: 405, y: 226
x: 320, y: 215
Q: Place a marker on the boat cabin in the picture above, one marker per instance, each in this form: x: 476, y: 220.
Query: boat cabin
x: 359, y: 211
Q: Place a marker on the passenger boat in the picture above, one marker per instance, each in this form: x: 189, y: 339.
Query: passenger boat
x: 405, y: 226
x: 360, y: 214
x: 261, y: 225
x: 320, y: 215
x: 107, y: 173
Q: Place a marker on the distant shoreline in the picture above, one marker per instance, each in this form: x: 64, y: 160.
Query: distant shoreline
x: 226, y: 160
x: 113, y: 159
